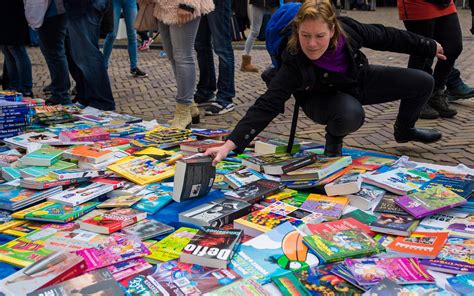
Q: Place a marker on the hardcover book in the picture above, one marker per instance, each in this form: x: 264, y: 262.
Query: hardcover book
x: 330, y: 207
x: 216, y: 213
x: 419, y: 244
x: 146, y: 229
x: 112, y: 220
x: 54, y: 212
x: 346, y: 184
x: 256, y: 190
x: 367, y: 197
x: 369, y: 271
x: 394, y: 224
x: 211, y: 247
x: 335, y: 246
x: 193, y: 178
x: 429, y: 201
x: 170, y: 247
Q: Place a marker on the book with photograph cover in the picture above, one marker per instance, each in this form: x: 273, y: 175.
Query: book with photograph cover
x: 146, y: 229
x: 394, y: 224
x: 216, y: 213
x: 255, y: 191
x: 242, y: 177
x: 193, y: 178
x: 289, y: 165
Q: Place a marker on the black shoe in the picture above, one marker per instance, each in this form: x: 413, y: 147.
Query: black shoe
x: 333, y: 147
x: 461, y: 92
x: 202, y: 102
x: 422, y: 135
x: 28, y: 94
x: 47, y: 89
x: 439, y: 102
x: 51, y: 102
x: 427, y: 112
x: 138, y: 73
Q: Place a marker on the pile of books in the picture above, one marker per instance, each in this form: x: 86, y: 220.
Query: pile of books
x: 104, y: 202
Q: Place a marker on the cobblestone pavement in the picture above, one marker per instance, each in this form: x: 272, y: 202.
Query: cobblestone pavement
x: 153, y: 97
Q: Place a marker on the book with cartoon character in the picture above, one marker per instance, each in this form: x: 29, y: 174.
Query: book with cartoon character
x: 154, y: 197
x: 455, y: 257
x: 399, y: 180
x: 276, y: 252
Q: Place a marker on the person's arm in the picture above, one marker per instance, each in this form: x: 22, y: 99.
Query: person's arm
x: 380, y: 37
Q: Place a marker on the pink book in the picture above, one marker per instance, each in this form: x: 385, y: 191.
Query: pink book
x: 88, y: 134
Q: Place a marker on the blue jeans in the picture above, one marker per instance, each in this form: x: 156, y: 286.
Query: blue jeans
x: 34, y: 39
x: 130, y: 13
x: 178, y: 43
x: 215, y: 31
x: 52, y: 36
x: 18, y: 65
x: 86, y: 62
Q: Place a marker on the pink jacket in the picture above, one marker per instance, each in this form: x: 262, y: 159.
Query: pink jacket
x: 167, y: 10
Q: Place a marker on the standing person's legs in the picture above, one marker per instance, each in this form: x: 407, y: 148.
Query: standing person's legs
x: 207, y: 74
x: 256, y: 17
x: 52, y: 36
x: 130, y: 14
x: 385, y: 84
x: 83, y: 23
x: 110, y: 38
x: 10, y: 66
x: 471, y: 5
x: 220, y: 26
x: 23, y: 66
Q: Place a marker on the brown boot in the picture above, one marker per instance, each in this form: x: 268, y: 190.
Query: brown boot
x: 195, y: 113
x: 247, y: 64
x: 182, y: 116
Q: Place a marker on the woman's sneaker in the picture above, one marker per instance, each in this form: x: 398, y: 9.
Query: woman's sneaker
x: 146, y: 44
x: 217, y: 109
x: 138, y: 73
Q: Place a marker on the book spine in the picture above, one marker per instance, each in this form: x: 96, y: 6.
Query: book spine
x: 299, y: 164
x: 13, y: 125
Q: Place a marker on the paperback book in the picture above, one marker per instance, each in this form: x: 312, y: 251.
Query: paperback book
x: 200, y: 146
x: 243, y: 287
x: 41, y: 157
x: 419, y: 244
x: 367, y: 197
x: 121, y: 201
x: 171, y: 246
x: 88, y: 154
x: 54, y: 212
x: 153, y: 200
x: 289, y: 165
x: 242, y: 177
x: 387, y: 205
x: 335, y: 226
x: 346, y: 184
x: 142, y: 169
x: 330, y: 207
x: 396, y: 180
x: 394, y: 224
x: 146, y: 229
x: 87, y: 135
x: 255, y: 191
x: 456, y: 257
x: 462, y: 284
x: 268, y: 146
x: 113, y: 220
x: 194, y: 177
x: 318, y: 170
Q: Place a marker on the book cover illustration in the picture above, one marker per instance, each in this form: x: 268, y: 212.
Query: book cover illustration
x: 338, y: 225
x: 176, y: 278
x: 20, y: 227
x: 371, y: 162
x: 334, y: 246
x: 398, y: 180
x: 330, y: 207
x: 256, y: 190
x: 194, y: 177
x: 429, y: 201
x: 419, y: 244
x: 463, y: 185
x: 146, y: 229
x: 113, y: 220
x: 142, y: 169
x: 98, y: 281
x: 89, y: 134
x: 462, y: 226
x: 243, y: 287
x: 456, y: 256
x: 154, y: 197
x: 441, y: 221
x: 170, y: 247
x: 257, y: 162
x: 121, y: 201
x: 394, y: 224
x: 55, y: 212
x: 242, y: 177
x: 284, y: 209
x: 290, y: 285
x: 387, y: 205
x: 319, y: 281
x: 276, y: 252
x: 462, y: 284
x: 369, y: 271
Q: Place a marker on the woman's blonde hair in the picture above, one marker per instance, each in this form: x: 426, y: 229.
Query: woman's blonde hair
x: 314, y: 10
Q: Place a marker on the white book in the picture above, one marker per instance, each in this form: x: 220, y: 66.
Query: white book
x: 346, y: 184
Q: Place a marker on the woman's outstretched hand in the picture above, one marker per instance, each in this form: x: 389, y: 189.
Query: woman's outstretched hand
x: 219, y: 153
x: 440, y: 52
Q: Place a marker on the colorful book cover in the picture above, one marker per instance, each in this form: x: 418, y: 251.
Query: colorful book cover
x: 282, y: 208
x: 256, y: 190
x: 170, y: 247
x: 243, y: 287
x: 419, y: 244
x: 290, y: 285
x: 55, y: 212
x: 462, y: 185
x: 128, y: 268
x: 152, y: 202
x: 430, y: 201
x: 176, y: 278
x: 322, y: 168
x: 441, y: 221
x: 335, y: 246
x: 142, y: 169
x: 372, y: 162
x: 398, y: 180
x: 360, y: 216
x: 40, y: 171
x: 369, y: 271
x: 86, y: 135
x: 20, y: 227
x: 116, y: 249
x: 338, y: 225
x: 122, y: 201
x: 319, y: 281
x: 394, y: 224
x: 456, y: 256
x: 257, y: 162
x: 387, y: 205
x: 200, y: 145
x: 462, y: 284
x: 42, y: 157
x: 88, y: 154
x: 276, y: 252
x: 112, y: 220
x: 330, y: 207
x: 462, y: 226
x: 242, y: 177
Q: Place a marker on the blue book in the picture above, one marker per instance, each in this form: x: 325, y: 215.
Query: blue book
x: 462, y: 284
x: 156, y: 198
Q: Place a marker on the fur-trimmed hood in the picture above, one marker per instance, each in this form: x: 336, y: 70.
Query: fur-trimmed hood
x: 167, y: 10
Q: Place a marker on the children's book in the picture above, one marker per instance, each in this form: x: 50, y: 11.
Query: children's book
x: 330, y: 207
x: 319, y: 280
x: 267, y: 146
x: 455, y: 257
x: 84, y: 192
x: 42, y: 157
x: 118, y: 248
x: 46, y: 182
x: 242, y: 177
x: 367, y: 197
x: 31, y: 141
x: 153, y: 200
x: 462, y: 226
x: 216, y: 213
x: 462, y: 284
x: 117, y: 155
x: 360, y: 216
x: 387, y: 205
x: 462, y: 185
x: 442, y: 220
x: 40, y: 171
x: 346, y: 184
x: 335, y: 246
x: 121, y: 201
x: 211, y: 247
x: 142, y: 169
x: 13, y: 197
x: 20, y: 227
x: 419, y: 244
x: 54, y: 212
x: 128, y: 268
x: 322, y: 168
x: 87, y: 284
x: 171, y: 246
x: 338, y: 225
x: 88, y: 154
x: 290, y: 285
x: 175, y: 278
x: 399, y: 180
x: 256, y: 191
x: 146, y: 229
x: 282, y: 195
x: 55, y: 268
x: 429, y: 201
x: 369, y: 271
x: 89, y: 134
x: 394, y: 224
x: 372, y: 162
x: 243, y: 287
x: 276, y: 252
x: 193, y: 178
x: 113, y: 220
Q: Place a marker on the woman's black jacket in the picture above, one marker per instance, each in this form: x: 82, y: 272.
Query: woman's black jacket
x: 300, y: 77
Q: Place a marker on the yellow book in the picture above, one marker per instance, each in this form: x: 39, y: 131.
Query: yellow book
x: 24, y: 251
x: 10, y: 224
x: 171, y: 246
x: 21, y: 214
x: 24, y: 228
x: 142, y: 169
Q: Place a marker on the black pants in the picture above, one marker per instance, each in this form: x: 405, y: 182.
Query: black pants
x: 343, y: 114
x: 447, y: 31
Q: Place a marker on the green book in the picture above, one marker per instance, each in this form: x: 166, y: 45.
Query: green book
x: 42, y: 157
x: 335, y: 246
x: 40, y: 171
x: 360, y: 216
x: 290, y: 285
x: 49, y: 211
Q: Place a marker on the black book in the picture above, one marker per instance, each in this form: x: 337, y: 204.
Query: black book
x: 193, y: 178
x: 388, y: 205
x: 256, y: 190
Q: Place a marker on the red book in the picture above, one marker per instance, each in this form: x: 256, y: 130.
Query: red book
x: 112, y: 220
x: 200, y: 145
x: 339, y: 225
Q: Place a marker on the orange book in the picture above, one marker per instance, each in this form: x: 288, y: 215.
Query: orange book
x: 88, y: 154
x: 419, y: 244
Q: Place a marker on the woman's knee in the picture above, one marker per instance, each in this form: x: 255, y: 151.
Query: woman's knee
x: 346, y: 120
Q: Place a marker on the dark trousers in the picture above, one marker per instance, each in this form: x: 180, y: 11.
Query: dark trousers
x: 342, y: 113
x: 447, y: 31
x: 215, y: 33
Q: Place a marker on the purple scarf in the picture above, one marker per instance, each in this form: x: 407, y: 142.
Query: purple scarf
x: 334, y: 60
